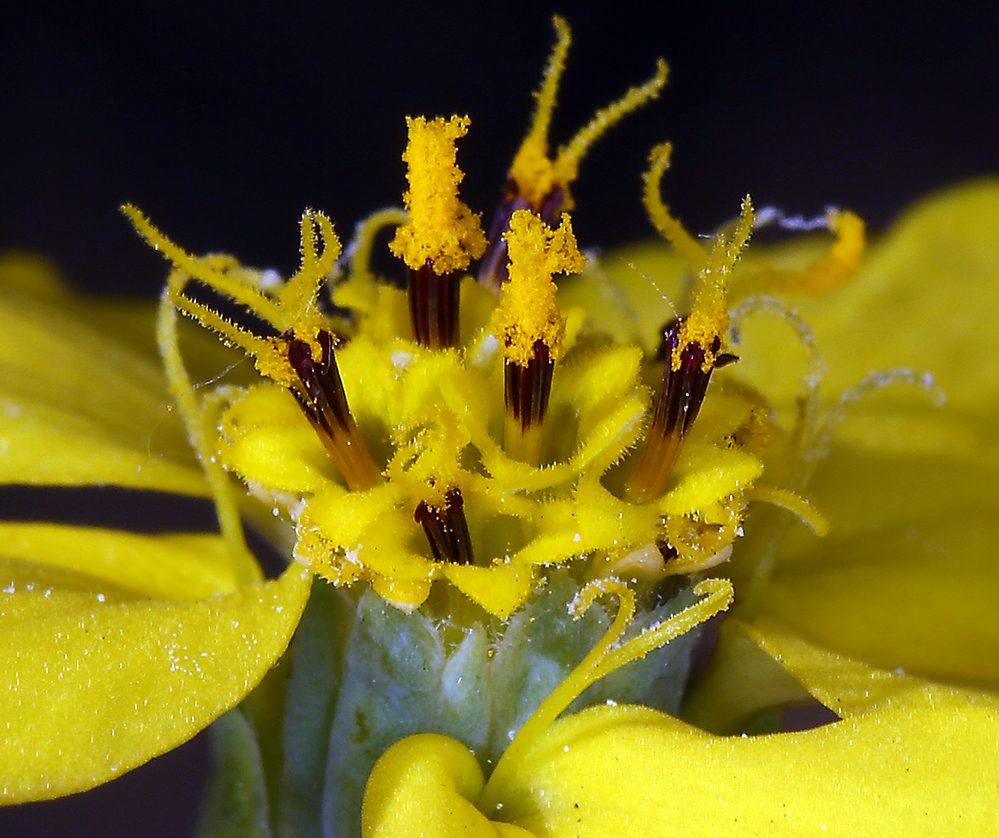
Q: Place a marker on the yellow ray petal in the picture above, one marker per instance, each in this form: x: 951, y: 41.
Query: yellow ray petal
x: 57, y: 427
x: 907, y: 576
x: 90, y: 689
x: 909, y: 756
x: 174, y: 566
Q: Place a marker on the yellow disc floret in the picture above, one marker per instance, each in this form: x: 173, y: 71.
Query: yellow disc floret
x: 441, y: 230
x: 528, y: 312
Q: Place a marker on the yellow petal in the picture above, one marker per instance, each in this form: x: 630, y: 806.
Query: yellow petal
x: 77, y: 407
x: 425, y: 785
x: 119, y: 564
x: 500, y: 588
x: 907, y: 575
x: 908, y: 757
x: 91, y: 689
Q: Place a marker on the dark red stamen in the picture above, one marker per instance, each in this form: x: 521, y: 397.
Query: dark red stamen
x: 433, y: 307
x: 528, y: 388
x: 679, y: 401
x: 324, y: 403
x: 446, y: 529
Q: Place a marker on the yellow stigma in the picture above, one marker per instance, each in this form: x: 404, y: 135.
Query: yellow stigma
x: 441, y: 230
x: 528, y: 312
x: 837, y: 267
x: 668, y: 226
x: 534, y: 172
x: 708, y: 319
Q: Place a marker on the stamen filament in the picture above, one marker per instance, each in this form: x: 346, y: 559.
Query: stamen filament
x: 322, y: 399
x: 447, y: 529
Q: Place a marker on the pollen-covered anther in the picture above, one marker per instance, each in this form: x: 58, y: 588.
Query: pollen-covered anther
x: 530, y: 327
x: 686, y: 375
x: 442, y: 235
x: 540, y: 183
x: 319, y: 392
x: 446, y: 529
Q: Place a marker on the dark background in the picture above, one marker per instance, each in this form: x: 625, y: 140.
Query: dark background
x: 223, y: 122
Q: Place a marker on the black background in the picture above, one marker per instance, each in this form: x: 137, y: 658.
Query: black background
x: 224, y: 121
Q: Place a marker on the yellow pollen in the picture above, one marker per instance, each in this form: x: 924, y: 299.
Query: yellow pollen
x: 708, y: 318
x: 441, y: 230
x: 528, y: 312
x: 534, y: 172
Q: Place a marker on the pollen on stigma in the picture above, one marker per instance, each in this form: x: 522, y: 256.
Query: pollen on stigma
x: 527, y: 311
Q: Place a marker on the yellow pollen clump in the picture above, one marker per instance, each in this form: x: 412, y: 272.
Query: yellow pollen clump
x: 441, y: 230
x: 527, y: 312
x: 533, y: 171
x: 708, y: 319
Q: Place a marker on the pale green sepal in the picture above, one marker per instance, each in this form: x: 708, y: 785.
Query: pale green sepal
x: 235, y: 801
x: 542, y: 645
x: 392, y: 688
x: 316, y: 657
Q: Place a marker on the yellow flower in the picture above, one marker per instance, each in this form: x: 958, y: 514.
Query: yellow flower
x: 907, y: 579
x: 459, y: 444
x: 117, y: 646
x: 487, y: 434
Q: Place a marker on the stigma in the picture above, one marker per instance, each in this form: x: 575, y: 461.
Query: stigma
x: 540, y: 183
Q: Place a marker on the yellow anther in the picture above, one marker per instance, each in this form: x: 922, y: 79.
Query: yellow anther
x: 668, y: 226
x: 528, y: 312
x: 534, y: 172
x: 441, y: 230
x: 707, y: 322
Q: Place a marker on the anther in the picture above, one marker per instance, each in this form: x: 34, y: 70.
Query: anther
x: 686, y: 375
x: 527, y: 392
x: 433, y: 307
x: 446, y: 529
x: 321, y: 396
x: 529, y: 326
x: 442, y: 235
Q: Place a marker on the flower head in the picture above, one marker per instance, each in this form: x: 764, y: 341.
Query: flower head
x: 490, y: 457
x: 444, y: 464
